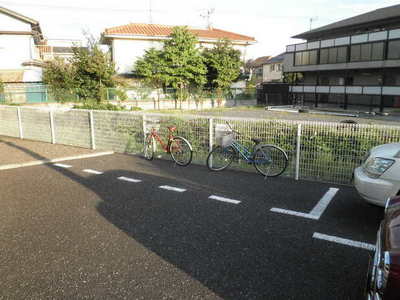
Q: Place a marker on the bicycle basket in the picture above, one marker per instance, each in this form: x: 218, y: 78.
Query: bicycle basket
x: 223, y: 135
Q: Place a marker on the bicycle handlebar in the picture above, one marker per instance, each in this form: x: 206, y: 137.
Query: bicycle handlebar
x: 230, y: 127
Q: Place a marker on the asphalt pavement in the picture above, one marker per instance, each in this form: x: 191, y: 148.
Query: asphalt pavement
x: 121, y: 227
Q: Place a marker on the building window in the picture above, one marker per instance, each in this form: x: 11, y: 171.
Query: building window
x: 272, y: 68
x: 313, y: 57
x: 355, y: 53
x: 341, y: 55
x: 298, y: 59
x: 394, y: 50
x: 332, y: 55
x: 378, y: 51
x: 306, y: 58
x: 367, y: 52
x: 323, y: 57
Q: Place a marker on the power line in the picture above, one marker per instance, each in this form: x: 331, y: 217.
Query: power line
x: 50, y: 6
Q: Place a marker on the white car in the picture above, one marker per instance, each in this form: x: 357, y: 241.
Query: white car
x: 378, y: 178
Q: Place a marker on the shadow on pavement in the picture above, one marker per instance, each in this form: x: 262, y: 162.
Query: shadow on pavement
x: 234, y: 251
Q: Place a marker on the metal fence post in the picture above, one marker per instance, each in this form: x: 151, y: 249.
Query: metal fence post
x: 211, y: 137
x: 298, y: 145
x: 21, y: 136
x: 144, y: 127
x: 53, y: 134
x: 91, y: 121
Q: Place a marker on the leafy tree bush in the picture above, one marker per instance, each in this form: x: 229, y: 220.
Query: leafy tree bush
x: 150, y: 68
x: 223, y: 66
x: 93, y: 72
x: 93, y: 104
x: 87, y: 74
x: 1, y: 86
x: 179, y: 64
x: 59, y: 76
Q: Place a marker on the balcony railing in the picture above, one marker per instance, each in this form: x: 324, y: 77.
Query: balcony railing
x: 340, y: 89
x: 347, y: 40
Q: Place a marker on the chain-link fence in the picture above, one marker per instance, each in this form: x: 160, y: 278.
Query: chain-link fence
x: 318, y: 151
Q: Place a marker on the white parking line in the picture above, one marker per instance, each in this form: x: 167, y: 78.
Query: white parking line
x: 223, y: 199
x: 294, y: 213
x: 342, y: 241
x: 62, y: 166
x: 123, y: 178
x: 90, y: 171
x: 316, y: 212
x: 172, y: 188
x: 319, y: 209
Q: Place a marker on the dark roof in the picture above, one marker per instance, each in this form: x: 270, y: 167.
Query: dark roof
x: 276, y: 59
x: 36, y: 30
x: 18, y: 16
x: 258, y: 62
x: 382, y: 14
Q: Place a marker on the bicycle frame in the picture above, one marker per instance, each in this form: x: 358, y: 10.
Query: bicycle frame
x: 247, y: 155
x: 165, y: 146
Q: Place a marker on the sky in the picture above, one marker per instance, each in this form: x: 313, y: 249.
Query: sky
x: 271, y: 22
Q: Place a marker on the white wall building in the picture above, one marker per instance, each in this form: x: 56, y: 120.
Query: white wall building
x: 19, y: 36
x: 273, y: 69
x: 129, y: 42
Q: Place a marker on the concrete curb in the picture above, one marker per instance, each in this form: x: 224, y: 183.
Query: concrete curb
x: 54, y: 160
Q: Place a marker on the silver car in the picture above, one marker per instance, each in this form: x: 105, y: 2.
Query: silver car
x: 378, y: 178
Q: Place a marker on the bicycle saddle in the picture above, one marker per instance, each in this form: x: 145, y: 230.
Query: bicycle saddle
x: 171, y: 128
x: 257, y: 141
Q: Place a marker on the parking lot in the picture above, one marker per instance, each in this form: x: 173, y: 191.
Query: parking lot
x: 121, y: 227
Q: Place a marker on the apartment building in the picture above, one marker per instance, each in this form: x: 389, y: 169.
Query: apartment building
x: 350, y: 64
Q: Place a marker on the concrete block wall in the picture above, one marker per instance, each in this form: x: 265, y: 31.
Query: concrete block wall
x: 36, y: 125
x: 9, y: 121
x: 72, y: 128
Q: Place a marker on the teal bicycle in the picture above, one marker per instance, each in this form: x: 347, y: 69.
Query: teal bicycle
x: 269, y: 160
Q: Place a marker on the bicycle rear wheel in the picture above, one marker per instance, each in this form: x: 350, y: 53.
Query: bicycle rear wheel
x: 270, y: 161
x: 181, y: 151
x: 149, y: 147
x: 220, y: 158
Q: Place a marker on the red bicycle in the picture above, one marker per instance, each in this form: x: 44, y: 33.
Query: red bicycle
x: 178, y: 147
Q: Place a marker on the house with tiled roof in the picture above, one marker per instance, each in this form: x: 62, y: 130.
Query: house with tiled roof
x: 129, y: 42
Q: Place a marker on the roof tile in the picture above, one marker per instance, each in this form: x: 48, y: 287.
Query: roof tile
x: 166, y: 30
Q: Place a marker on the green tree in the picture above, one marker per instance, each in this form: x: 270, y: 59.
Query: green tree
x: 59, y: 76
x: 93, y: 72
x: 1, y: 86
x: 150, y: 67
x: 183, y: 64
x: 223, y: 66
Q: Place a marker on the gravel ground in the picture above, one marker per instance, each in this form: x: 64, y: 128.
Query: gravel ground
x: 15, y: 150
x: 260, y: 112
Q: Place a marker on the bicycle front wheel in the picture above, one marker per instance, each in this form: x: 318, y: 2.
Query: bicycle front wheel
x: 220, y: 158
x: 181, y: 151
x: 149, y: 147
x: 270, y: 161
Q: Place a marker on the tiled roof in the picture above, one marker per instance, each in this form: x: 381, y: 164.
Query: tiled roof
x: 165, y: 30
